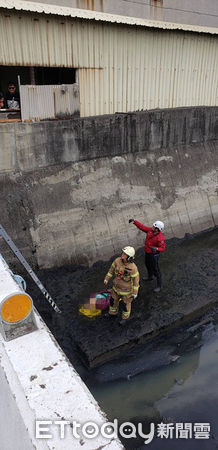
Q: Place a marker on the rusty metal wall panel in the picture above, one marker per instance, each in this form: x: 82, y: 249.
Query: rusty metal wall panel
x: 54, y: 42
x: 49, y: 101
x: 92, y: 94
x: 87, y: 44
x: 66, y: 100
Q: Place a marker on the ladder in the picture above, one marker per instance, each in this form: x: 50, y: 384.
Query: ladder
x: 17, y: 253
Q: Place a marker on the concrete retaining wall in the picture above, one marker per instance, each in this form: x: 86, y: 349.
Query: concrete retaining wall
x: 28, y: 146
x: 69, y: 187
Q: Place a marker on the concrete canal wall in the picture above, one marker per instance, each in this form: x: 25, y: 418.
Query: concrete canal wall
x: 69, y: 187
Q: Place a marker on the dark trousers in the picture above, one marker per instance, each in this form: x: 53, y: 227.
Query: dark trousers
x: 151, y: 262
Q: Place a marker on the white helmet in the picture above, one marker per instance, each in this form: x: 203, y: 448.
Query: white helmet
x: 130, y: 251
x: 158, y: 224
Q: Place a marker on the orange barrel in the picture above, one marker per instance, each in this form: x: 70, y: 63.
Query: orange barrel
x: 15, y: 308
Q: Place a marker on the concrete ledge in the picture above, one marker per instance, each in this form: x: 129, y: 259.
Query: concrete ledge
x: 189, y: 267
x: 29, y: 146
x: 146, y: 331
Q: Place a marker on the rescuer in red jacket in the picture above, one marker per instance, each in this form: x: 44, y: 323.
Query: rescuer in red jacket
x: 155, y: 244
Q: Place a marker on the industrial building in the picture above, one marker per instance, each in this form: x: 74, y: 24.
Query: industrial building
x: 120, y: 63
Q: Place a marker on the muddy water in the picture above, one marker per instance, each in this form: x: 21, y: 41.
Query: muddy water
x: 183, y: 389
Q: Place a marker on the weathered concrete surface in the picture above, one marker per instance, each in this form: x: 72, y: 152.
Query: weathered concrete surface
x: 28, y: 146
x: 68, y: 188
x: 190, y: 275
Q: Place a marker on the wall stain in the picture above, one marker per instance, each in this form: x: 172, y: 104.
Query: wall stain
x: 48, y: 368
x: 90, y: 4
x: 33, y: 377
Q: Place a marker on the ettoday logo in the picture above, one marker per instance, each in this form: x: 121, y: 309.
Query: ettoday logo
x: 126, y: 430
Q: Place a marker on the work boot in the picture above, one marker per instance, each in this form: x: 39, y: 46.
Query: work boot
x: 122, y: 322
x: 147, y: 278
x: 157, y: 289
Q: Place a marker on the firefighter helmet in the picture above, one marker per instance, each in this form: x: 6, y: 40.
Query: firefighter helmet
x: 129, y: 251
x: 158, y: 224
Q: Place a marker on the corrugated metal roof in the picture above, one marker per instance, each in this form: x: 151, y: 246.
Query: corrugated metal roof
x: 20, y: 5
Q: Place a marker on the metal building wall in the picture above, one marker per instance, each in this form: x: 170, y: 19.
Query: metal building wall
x: 146, y: 69
x: 120, y: 68
x: 33, y: 39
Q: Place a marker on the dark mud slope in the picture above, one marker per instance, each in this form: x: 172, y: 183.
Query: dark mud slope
x: 190, y: 275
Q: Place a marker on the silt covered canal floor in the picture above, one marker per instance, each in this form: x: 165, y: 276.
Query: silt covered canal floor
x: 190, y: 276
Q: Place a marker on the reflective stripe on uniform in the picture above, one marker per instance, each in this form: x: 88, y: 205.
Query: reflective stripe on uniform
x: 113, y: 309
x: 121, y: 292
x: 125, y: 314
x: 135, y: 275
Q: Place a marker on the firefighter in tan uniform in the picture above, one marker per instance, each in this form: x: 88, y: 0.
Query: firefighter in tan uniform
x: 125, y: 284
